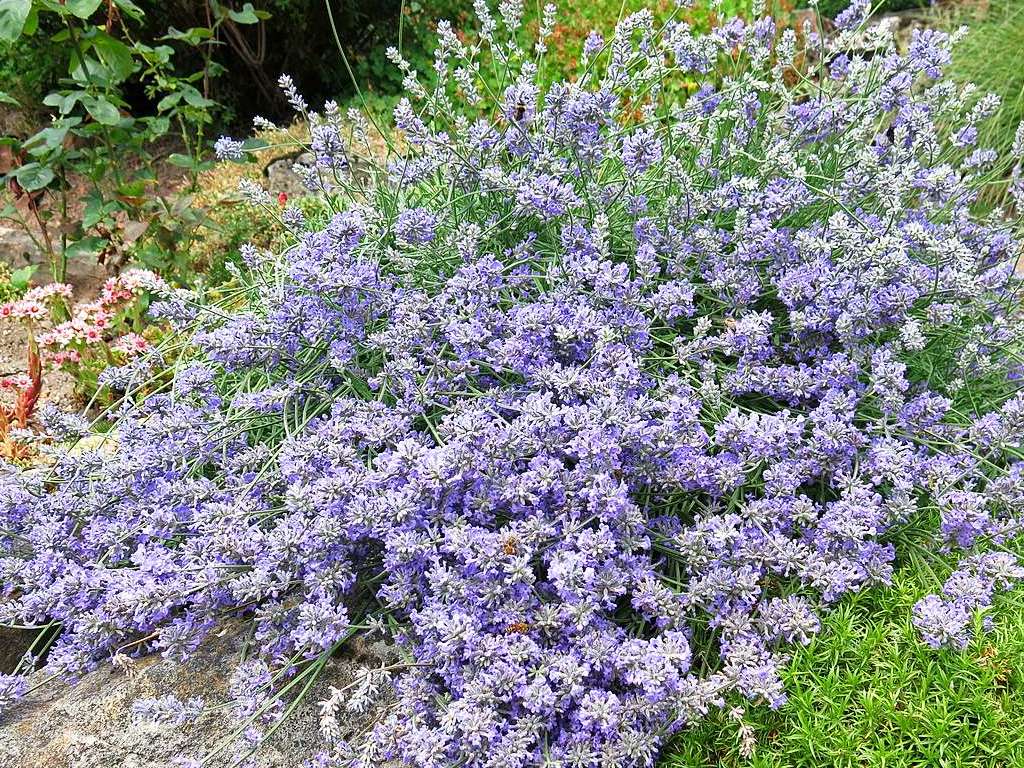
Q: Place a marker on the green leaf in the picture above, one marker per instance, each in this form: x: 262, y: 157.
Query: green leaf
x: 22, y: 277
x: 158, y: 126
x: 49, y: 138
x: 163, y: 53
x: 32, y: 23
x: 86, y: 70
x: 13, y: 15
x: 191, y: 36
x: 190, y: 163
x: 130, y: 8
x: 115, y: 55
x: 168, y: 101
x: 33, y: 176
x: 83, y: 9
x: 102, y: 110
x: 64, y: 102
x: 247, y: 15
x: 87, y: 246
x: 93, y: 212
x: 182, y: 161
x: 196, y: 99
x: 6, y: 98
x: 96, y: 208
x: 132, y: 188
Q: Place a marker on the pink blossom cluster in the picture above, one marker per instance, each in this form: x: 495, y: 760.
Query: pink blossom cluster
x: 18, y: 382
x: 92, y: 321
x: 130, y: 284
x: 34, y: 304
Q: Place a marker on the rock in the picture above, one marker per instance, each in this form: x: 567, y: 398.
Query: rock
x: 18, y: 250
x: 90, y: 724
x: 285, y: 174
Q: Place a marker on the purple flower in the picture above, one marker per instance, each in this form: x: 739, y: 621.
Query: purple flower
x: 641, y: 150
x: 942, y: 623
x: 546, y: 196
x: 229, y: 149
x: 855, y: 14
x: 656, y: 397
x: 416, y: 226
x: 929, y: 52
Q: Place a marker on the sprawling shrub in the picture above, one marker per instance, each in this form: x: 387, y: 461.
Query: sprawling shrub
x: 592, y: 402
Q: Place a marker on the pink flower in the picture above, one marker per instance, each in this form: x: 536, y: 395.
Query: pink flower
x: 17, y: 381
x: 44, y: 292
x: 136, y: 280
x: 131, y: 344
x: 32, y: 310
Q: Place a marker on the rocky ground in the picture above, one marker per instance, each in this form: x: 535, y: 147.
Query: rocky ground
x: 91, y: 724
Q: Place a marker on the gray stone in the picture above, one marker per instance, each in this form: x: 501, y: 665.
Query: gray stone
x: 13, y: 644
x: 90, y: 725
x: 285, y: 173
x: 18, y: 250
x: 283, y: 176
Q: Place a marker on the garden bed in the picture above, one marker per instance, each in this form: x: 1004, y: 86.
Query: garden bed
x: 668, y: 413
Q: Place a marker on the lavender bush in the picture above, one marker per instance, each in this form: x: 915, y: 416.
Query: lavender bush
x: 592, y: 402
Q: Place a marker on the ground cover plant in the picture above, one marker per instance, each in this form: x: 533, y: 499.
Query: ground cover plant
x: 594, y: 401
x: 87, y: 338
x: 866, y: 692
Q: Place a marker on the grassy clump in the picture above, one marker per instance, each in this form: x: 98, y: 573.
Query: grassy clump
x: 992, y: 57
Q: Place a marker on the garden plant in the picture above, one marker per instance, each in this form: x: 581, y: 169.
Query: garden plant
x: 596, y: 401
x: 78, y: 180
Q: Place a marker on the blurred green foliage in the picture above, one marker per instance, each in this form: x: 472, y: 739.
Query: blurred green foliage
x: 832, y: 8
